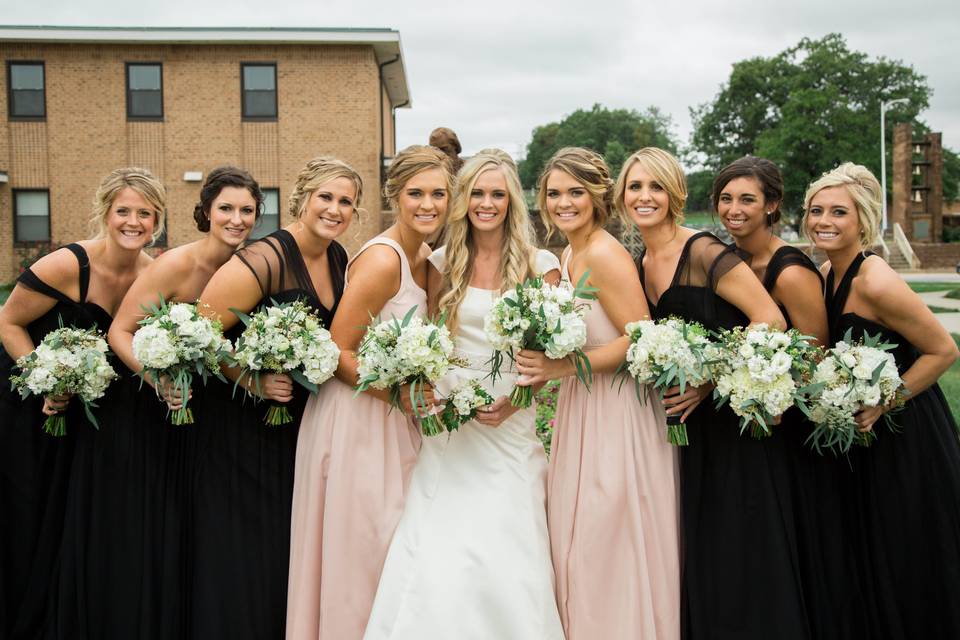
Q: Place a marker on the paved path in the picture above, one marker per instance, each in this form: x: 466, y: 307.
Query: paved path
x: 931, y: 276
x: 937, y: 299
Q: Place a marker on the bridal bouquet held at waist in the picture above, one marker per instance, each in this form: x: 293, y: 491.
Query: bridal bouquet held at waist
x: 68, y: 361
x: 286, y: 338
x: 408, y: 351
x: 762, y: 372
x: 542, y: 317
x: 850, y: 377
x: 173, y: 343
x: 667, y: 353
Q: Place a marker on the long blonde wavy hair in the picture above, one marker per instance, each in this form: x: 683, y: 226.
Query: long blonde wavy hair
x: 517, y: 258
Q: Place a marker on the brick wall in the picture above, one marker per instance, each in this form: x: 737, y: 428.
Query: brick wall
x: 937, y: 255
x: 329, y: 102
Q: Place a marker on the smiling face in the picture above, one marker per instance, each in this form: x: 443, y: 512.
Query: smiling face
x: 329, y: 210
x: 232, y: 215
x: 832, y: 221
x: 645, y: 199
x: 422, y: 202
x: 489, y: 201
x: 569, y: 204
x: 131, y: 220
x: 742, y: 207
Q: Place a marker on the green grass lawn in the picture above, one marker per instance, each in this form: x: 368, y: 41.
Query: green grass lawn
x: 937, y: 309
x: 950, y: 383
x: 926, y: 287
x: 5, y: 290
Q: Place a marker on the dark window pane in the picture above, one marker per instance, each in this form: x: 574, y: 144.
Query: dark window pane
x: 26, y: 76
x: 259, y: 77
x: 146, y: 104
x: 144, y: 77
x: 27, y: 103
x: 32, y: 229
x: 260, y: 104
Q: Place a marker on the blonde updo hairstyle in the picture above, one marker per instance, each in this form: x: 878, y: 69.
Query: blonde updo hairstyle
x: 666, y: 170
x: 865, y: 191
x: 408, y: 163
x: 587, y: 168
x: 318, y: 172
x: 518, y: 253
x: 140, y: 180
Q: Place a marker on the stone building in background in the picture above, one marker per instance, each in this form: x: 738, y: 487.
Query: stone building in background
x: 77, y: 103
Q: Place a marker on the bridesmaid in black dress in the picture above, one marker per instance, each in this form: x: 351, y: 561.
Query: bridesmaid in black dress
x: 739, y: 558
x: 905, y: 498
x: 244, y: 483
x: 747, y: 195
x: 124, y: 568
x: 79, y: 285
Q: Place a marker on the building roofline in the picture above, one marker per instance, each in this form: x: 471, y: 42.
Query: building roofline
x: 385, y: 42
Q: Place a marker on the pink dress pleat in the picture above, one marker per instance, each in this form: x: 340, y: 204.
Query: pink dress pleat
x: 613, y: 508
x: 354, y: 459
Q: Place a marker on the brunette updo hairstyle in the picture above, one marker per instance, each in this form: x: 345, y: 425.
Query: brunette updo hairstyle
x: 767, y: 175
x: 225, y: 176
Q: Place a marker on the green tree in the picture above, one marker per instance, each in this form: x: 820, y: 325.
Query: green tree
x: 808, y: 109
x: 951, y: 174
x: 616, y: 133
x: 699, y: 184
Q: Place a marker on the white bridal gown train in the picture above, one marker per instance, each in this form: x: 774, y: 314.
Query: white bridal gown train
x: 470, y: 558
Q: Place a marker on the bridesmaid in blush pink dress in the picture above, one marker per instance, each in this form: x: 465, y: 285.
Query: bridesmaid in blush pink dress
x: 355, y: 453
x: 612, y: 484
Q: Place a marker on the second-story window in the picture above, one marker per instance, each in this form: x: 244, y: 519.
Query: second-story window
x: 258, y: 90
x: 144, y: 91
x: 25, y: 82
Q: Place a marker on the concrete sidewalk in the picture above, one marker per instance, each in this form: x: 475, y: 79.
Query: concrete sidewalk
x: 951, y: 321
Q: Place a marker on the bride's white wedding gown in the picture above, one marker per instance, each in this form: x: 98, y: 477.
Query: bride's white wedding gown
x: 470, y: 558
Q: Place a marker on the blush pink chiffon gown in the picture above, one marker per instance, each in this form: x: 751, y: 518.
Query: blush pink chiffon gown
x: 354, y: 460
x: 613, y: 508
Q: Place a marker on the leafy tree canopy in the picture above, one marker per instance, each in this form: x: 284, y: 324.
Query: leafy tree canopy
x: 808, y: 109
x: 614, y: 133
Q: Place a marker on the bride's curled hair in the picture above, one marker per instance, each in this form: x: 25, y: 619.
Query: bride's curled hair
x: 517, y: 257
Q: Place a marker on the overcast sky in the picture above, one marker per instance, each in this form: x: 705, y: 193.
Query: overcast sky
x: 494, y: 70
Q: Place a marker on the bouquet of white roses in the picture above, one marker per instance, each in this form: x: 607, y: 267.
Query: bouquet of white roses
x: 762, y: 372
x: 174, y: 341
x: 285, y: 338
x: 850, y: 377
x: 543, y: 317
x: 463, y: 402
x: 67, y: 361
x: 664, y: 354
x: 409, y: 351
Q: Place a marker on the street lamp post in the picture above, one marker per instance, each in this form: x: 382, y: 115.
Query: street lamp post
x: 884, y: 107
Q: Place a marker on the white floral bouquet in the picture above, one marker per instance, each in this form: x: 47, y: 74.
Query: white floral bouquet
x: 666, y: 353
x: 67, y: 361
x: 762, y: 372
x: 176, y: 342
x: 285, y: 338
x: 411, y: 352
x: 463, y: 402
x: 543, y: 317
x: 851, y: 377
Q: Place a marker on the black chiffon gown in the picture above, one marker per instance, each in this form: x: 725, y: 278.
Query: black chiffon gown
x: 741, y: 561
x: 35, y: 468
x: 244, y: 483
x: 820, y: 486
x: 905, y: 500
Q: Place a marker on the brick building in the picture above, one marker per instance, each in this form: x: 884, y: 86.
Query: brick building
x: 78, y: 102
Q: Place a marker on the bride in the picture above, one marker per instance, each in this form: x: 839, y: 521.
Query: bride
x: 471, y: 555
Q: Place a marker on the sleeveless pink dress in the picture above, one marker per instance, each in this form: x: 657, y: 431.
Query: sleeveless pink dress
x: 612, y: 509
x: 354, y: 459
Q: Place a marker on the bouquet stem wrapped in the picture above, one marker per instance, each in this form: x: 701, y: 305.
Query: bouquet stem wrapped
x: 851, y: 376
x: 395, y: 352
x: 667, y: 353
x: 542, y: 317
x: 762, y: 372
x: 67, y: 361
x: 285, y: 338
x: 175, y: 342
